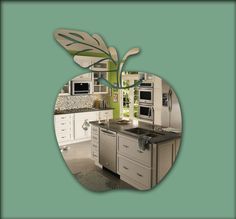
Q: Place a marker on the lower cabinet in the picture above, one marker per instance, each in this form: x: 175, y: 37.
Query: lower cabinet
x: 82, y: 125
x: 134, y: 173
x: 176, y: 148
x: 164, y: 158
x: 134, y: 165
x: 95, y: 144
x: 64, y: 128
x: 144, y: 169
x: 75, y: 127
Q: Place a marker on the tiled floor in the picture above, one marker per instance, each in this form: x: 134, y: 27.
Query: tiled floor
x: 79, y: 162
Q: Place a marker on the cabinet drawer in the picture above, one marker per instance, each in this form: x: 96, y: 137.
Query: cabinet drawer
x: 63, y: 117
x: 94, y: 146
x: 95, y: 130
x: 94, y: 155
x: 135, y: 171
x: 63, y: 131
x: 130, y: 148
x: 95, y: 139
x: 63, y: 137
x: 63, y: 125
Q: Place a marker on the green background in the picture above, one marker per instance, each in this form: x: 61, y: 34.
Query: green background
x: 190, y: 45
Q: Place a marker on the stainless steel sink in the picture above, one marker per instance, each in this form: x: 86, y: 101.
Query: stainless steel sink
x: 141, y: 131
x: 138, y: 131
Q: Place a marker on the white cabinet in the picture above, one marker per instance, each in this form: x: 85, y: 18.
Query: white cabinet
x: 129, y: 147
x: 176, y: 148
x: 105, y: 114
x: 75, y: 127
x: 164, y: 158
x: 95, y: 145
x: 134, y: 165
x: 64, y: 128
x: 134, y: 173
x: 99, y: 70
x: 82, y: 125
x: 83, y: 77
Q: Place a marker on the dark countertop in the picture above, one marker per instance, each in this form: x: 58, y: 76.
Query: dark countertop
x: 113, y: 126
x: 79, y: 110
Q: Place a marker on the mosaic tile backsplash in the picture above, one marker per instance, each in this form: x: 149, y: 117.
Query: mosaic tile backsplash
x: 76, y: 102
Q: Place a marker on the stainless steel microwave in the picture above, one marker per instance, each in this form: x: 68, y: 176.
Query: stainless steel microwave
x: 81, y: 87
x: 146, y: 112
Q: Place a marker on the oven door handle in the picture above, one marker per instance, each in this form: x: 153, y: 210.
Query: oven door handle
x: 149, y: 112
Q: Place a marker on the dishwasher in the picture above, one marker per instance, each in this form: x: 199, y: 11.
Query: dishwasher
x: 107, y: 149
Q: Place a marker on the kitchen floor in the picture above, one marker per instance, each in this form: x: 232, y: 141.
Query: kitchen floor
x: 79, y: 161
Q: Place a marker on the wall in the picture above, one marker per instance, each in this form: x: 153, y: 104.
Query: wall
x: 75, y: 102
x: 115, y: 105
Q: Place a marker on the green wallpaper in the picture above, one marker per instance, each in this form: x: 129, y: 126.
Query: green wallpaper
x: 115, y: 105
x: 190, y: 45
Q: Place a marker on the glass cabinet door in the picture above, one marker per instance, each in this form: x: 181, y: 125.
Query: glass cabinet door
x: 97, y: 87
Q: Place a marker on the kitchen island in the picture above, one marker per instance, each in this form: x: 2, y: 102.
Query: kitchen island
x: 117, y: 147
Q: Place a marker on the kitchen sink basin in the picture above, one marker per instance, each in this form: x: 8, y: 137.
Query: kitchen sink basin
x: 138, y: 131
x: 152, y: 135
x: 141, y: 131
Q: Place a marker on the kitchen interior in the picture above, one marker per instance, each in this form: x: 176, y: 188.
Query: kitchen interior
x: 118, y: 138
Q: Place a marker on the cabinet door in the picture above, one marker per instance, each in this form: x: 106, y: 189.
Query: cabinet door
x: 100, y: 71
x: 82, y: 126
x: 129, y: 148
x: 176, y: 148
x: 83, y: 77
x: 63, y: 128
x: 105, y: 114
x: 164, y: 158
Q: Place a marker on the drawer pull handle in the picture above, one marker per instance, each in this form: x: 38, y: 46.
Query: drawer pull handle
x: 126, y: 146
x: 62, y: 123
x: 63, y: 130
x: 139, y: 174
x: 125, y: 167
x: 140, y: 151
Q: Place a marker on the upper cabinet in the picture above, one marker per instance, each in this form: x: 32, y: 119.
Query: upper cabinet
x: 99, y: 70
x: 83, y: 77
x: 97, y: 87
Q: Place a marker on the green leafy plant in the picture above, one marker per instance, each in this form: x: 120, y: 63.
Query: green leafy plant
x: 79, y: 44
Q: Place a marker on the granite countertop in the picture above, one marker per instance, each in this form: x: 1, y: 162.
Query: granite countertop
x: 121, y: 128
x: 80, y: 110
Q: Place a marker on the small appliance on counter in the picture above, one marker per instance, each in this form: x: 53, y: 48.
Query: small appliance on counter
x: 100, y: 104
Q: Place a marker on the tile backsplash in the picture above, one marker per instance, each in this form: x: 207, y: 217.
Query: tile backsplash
x: 76, y: 102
